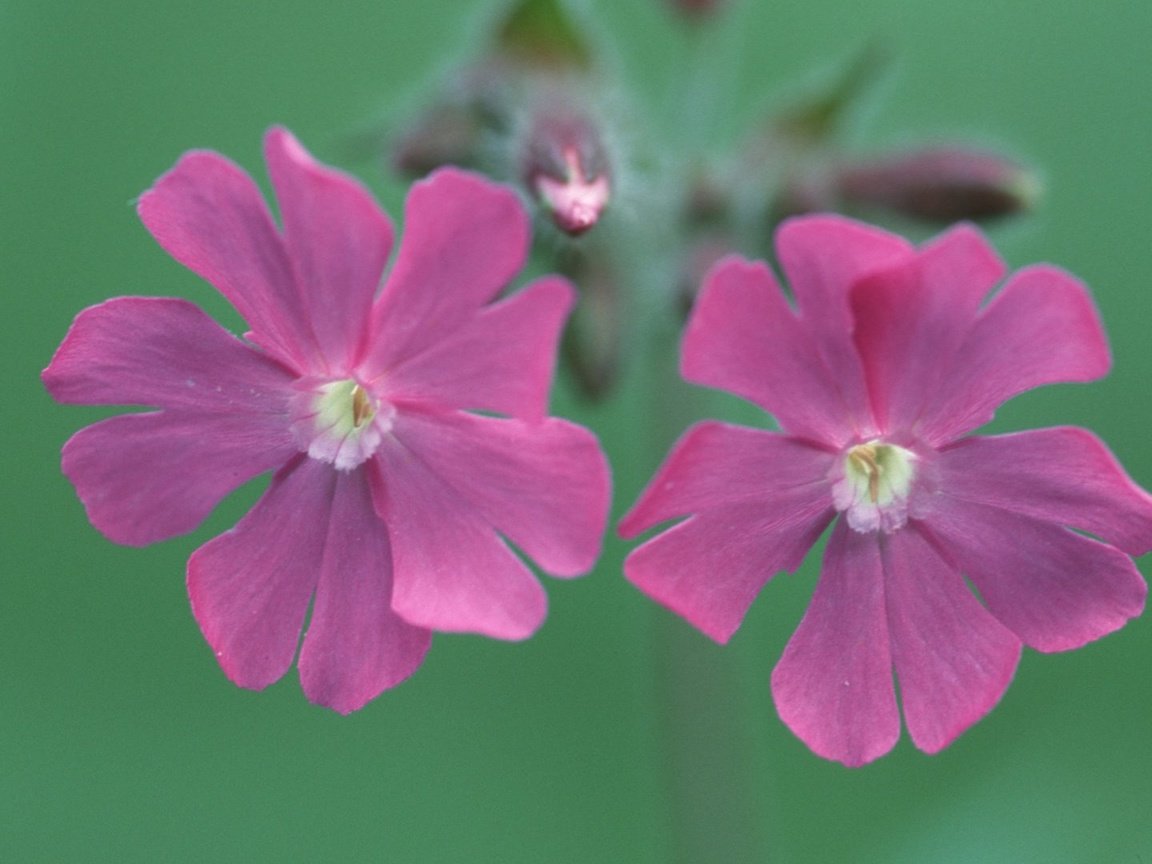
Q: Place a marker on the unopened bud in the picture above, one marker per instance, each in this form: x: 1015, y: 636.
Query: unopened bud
x: 944, y: 184
x: 593, y: 338
x: 443, y: 135
x: 541, y: 34
x: 566, y: 170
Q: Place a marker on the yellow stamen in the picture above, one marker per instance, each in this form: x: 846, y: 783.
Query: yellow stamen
x: 362, y: 409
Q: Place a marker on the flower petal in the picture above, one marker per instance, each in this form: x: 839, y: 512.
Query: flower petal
x: 338, y: 240
x: 1063, y: 475
x: 911, y: 319
x: 709, y: 568
x: 833, y: 685
x: 500, y: 360
x: 148, y: 477
x: 1053, y: 588
x: 822, y: 258
x: 953, y: 659
x: 166, y: 353
x: 250, y: 586
x: 716, y: 464
x: 1041, y: 328
x: 545, y: 486
x: 745, y: 339
x: 356, y: 646
x: 464, y: 239
x: 209, y: 215
x: 451, y: 572
x: 761, y: 501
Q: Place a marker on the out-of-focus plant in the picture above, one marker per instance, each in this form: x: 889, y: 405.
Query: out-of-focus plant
x: 531, y: 109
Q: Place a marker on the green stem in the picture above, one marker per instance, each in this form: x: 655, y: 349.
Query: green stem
x: 708, y: 751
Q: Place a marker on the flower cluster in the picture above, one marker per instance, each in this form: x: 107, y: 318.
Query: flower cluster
x: 400, y: 402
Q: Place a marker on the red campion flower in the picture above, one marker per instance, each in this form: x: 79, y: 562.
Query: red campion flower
x: 889, y: 360
x: 389, y: 491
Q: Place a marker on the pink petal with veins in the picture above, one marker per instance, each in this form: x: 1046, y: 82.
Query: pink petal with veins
x: 464, y: 239
x: 338, y: 240
x: 356, y: 646
x: 833, y: 685
x: 210, y: 216
x: 501, y: 360
x: 250, y: 586
x: 953, y: 659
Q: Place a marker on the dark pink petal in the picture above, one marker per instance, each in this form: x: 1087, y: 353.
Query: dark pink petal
x: 911, y: 319
x: 356, y: 646
x: 744, y: 338
x: 1053, y: 588
x: 338, y: 240
x: 250, y: 586
x: 953, y: 659
x: 761, y: 500
x: 715, y: 464
x: 166, y: 353
x: 209, y: 215
x: 709, y: 568
x: 451, y: 572
x: 148, y: 477
x: 1041, y: 328
x: 833, y: 685
x: 464, y: 239
x: 822, y: 258
x: 545, y: 486
x: 501, y: 360
x: 1064, y: 475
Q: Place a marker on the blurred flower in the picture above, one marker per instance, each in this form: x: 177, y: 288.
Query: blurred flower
x: 389, y: 492
x: 565, y: 167
x: 876, y: 379
x: 943, y: 184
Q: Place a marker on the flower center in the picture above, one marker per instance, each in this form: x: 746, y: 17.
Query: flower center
x: 873, y: 485
x: 340, y: 422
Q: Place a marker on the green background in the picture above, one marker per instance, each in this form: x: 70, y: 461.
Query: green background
x: 121, y: 740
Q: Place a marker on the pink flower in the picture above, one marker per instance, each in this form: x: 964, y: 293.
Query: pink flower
x: 389, y: 492
x: 876, y: 379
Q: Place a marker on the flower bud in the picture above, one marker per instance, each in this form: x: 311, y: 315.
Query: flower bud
x: 943, y: 184
x: 565, y: 168
x: 443, y: 135
x: 541, y: 34
x: 594, y: 336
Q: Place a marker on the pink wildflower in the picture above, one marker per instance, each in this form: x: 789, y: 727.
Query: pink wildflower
x: 888, y: 362
x: 388, y: 491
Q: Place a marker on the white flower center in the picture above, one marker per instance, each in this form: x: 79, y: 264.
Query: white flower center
x: 341, y: 422
x: 873, y: 484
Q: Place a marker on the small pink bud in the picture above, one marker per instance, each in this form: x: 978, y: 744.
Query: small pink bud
x: 566, y: 170
x: 943, y: 184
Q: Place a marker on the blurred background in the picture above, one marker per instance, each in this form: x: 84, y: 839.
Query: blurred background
x: 120, y: 739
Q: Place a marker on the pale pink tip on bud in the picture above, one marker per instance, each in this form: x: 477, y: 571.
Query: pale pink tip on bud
x: 566, y: 170
x: 576, y: 202
x: 943, y: 184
